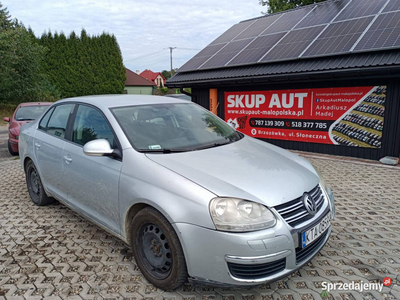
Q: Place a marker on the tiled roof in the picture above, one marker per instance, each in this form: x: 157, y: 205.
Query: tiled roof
x: 133, y: 79
x: 150, y: 75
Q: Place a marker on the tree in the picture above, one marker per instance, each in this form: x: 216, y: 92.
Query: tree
x: 167, y: 74
x: 54, y: 65
x: 84, y: 65
x: 21, y: 68
x: 281, y: 5
x: 5, y: 19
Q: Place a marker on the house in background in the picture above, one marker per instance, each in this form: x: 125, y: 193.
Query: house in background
x: 136, y: 84
x: 156, y: 77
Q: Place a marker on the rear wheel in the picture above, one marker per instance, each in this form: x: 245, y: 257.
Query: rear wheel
x: 157, y: 250
x: 11, y: 150
x: 35, y: 186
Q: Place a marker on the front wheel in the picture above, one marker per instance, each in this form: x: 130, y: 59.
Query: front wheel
x: 157, y: 250
x: 35, y: 186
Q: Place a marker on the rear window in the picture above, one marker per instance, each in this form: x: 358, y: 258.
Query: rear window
x: 30, y: 113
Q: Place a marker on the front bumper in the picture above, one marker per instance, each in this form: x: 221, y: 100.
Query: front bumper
x: 214, y: 257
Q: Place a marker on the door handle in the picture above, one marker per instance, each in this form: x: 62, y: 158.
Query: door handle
x: 37, y: 145
x: 68, y: 159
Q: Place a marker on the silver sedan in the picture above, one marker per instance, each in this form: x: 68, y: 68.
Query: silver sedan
x: 196, y: 200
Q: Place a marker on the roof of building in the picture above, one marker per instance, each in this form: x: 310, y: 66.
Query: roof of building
x: 150, y: 75
x: 326, y: 36
x: 133, y: 79
x: 362, y: 62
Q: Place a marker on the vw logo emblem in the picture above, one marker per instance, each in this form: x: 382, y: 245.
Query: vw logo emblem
x: 309, y: 204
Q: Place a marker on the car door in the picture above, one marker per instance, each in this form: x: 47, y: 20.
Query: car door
x: 92, y: 181
x: 49, y: 143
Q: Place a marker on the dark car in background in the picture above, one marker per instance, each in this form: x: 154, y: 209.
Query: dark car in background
x: 25, y: 112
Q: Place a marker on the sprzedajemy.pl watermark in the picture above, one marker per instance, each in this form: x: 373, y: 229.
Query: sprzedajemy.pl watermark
x: 355, y: 286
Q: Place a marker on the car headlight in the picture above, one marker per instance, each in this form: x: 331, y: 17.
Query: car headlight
x: 238, y: 215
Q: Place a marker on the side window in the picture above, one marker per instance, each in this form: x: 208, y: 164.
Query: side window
x: 59, y: 119
x: 90, y: 125
x: 45, y: 120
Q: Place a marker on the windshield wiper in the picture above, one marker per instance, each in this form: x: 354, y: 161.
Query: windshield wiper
x: 167, y: 150
x: 211, y: 145
x: 25, y: 119
x: 163, y: 150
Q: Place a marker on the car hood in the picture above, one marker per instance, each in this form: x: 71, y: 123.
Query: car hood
x: 247, y: 169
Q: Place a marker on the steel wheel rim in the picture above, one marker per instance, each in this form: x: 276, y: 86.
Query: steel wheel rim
x: 34, y: 180
x: 155, y: 252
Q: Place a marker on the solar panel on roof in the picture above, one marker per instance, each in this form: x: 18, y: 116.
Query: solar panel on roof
x: 327, y: 28
x: 232, y: 32
x: 258, y: 27
x: 201, y: 57
x: 293, y: 44
x: 226, y: 54
x: 384, y: 33
x: 360, y: 8
x: 322, y: 14
x: 255, y: 50
x: 392, y: 6
x: 338, y: 37
x: 287, y: 21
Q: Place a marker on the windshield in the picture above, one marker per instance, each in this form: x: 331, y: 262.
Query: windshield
x: 29, y: 113
x: 173, y: 127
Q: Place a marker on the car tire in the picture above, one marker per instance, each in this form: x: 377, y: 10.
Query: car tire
x: 35, y: 187
x: 11, y: 150
x: 157, y: 250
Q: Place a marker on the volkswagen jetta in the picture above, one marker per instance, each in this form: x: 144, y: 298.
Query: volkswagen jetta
x: 196, y: 200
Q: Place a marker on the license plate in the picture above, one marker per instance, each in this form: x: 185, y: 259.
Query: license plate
x: 315, y: 232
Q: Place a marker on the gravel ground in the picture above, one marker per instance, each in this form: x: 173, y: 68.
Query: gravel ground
x: 51, y: 252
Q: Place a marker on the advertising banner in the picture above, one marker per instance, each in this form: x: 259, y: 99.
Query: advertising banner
x: 350, y: 116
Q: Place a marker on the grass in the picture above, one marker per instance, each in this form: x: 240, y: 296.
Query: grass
x: 6, y: 110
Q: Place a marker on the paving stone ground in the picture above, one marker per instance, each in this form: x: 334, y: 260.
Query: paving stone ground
x: 4, y: 155
x: 51, y: 252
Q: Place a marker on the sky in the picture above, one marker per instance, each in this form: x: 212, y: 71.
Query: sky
x: 144, y: 29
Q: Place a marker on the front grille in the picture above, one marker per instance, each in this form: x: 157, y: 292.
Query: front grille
x: 304, y: 253
x: 257, y: 271
x: 294, y: 212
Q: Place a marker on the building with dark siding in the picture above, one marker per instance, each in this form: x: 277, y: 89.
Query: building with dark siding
x: 322, y: 78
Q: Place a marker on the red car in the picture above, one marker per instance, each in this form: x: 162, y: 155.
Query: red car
x: 25, y: 112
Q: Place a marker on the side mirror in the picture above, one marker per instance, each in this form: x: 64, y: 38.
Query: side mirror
x: 7, y: 120
x: 99, y: 147
x: 232, y: 125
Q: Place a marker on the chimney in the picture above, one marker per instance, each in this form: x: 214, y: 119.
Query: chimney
x: 138, y: 72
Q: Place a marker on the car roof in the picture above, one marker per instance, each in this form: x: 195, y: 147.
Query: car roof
x: 181, y: 96
x: 35, y: 103
x: 109, y: 101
